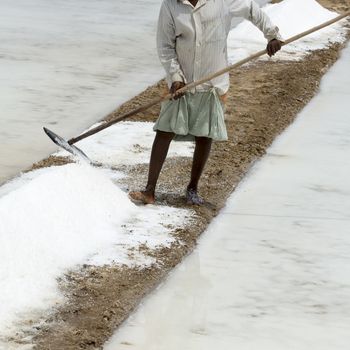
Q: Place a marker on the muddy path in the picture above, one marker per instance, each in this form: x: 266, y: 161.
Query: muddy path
x: 264, y: 99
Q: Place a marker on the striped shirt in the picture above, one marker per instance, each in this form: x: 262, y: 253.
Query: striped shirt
x: 192, y: 41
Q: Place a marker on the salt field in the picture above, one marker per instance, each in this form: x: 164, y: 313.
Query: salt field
x: 273, y: 269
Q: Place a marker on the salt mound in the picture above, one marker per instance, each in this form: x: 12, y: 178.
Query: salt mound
x: 292, y: 17
x: 51, y: 223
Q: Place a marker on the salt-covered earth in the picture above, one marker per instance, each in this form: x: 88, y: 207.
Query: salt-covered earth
x: 118, y: 145
x: 273, y: 270
x: 54, y: 219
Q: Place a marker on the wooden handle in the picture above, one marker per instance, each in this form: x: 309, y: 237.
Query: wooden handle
x: 201, y: 81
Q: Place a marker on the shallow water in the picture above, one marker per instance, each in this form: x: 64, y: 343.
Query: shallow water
x: 66, y: 64
x: 272, y: 271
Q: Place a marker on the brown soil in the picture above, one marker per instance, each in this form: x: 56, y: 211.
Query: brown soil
x: 264, y: 99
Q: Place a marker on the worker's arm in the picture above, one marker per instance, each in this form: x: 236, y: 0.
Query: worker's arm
x: 166, y: 40
x: 251, y: 11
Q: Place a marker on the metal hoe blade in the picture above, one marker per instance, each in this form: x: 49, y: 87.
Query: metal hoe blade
x: 61, y: 142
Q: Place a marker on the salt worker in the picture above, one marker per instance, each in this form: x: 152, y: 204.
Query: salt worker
x: 192, y: 44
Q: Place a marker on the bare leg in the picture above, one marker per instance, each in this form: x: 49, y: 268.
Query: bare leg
x: 200, y: 157
x: 159, y: 152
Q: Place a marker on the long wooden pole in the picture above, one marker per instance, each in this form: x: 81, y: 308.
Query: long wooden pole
x: 201, y: 81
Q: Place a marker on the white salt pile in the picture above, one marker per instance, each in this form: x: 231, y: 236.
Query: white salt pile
x: 292, y: 17
x: 54, y: 219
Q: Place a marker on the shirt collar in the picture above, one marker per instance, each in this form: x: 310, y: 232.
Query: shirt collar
x: 200, y: 2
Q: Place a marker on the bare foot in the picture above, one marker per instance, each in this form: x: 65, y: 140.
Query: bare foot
x: 143, y: 197
x: 193, y: 197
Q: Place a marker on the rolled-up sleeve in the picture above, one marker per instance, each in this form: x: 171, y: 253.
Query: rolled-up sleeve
x: 251, y: 11
x: 166, y: 43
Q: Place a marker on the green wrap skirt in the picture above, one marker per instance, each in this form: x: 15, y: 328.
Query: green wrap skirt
x: 200, y: 114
